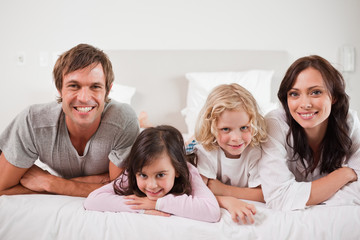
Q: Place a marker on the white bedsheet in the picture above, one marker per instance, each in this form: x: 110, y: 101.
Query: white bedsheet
x: 62, y: 217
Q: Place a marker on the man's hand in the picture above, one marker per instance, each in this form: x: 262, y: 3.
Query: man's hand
x: 101, y: 178
x: 36, y: 179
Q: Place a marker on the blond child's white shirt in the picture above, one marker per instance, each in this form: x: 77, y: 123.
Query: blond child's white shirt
x: 239, y: 172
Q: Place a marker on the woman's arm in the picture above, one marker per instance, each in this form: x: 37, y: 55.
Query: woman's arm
x: 200, y: 205
x: 281, y: 190
x: 324, y: 188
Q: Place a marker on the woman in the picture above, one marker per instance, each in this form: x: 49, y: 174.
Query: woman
x: 313, y: 147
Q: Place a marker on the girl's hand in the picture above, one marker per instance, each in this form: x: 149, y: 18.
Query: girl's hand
x: 157, y: 213
x: 139, y: 203
x: 239, y: 209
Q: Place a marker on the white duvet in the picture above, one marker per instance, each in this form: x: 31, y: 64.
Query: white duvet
x: 63, y: 217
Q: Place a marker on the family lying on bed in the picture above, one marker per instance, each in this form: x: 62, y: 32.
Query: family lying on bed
x: 302, y: 154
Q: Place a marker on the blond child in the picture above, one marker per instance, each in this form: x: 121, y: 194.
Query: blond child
x: 229, y: 131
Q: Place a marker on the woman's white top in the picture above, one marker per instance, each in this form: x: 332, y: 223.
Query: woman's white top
x: 284, y: 183
x: 239, y: 172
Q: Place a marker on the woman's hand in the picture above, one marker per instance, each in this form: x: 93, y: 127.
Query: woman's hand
x: 350, y: 173
x: 238, y: 209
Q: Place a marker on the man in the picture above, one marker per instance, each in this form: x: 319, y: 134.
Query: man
x: 83, y: 139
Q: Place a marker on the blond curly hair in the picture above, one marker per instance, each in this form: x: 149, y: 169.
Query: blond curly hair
x: 231, y: 97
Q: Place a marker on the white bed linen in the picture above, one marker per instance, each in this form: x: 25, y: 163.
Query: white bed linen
x: 62, y: 217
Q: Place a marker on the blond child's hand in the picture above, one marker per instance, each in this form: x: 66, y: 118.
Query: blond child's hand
x: 239, y: 210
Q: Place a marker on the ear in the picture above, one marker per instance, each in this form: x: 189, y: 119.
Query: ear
x: 177, y: 175
x: 333, y: 100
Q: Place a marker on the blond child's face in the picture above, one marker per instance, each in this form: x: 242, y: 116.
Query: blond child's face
x: 234, y: 132
x: 157, y: 179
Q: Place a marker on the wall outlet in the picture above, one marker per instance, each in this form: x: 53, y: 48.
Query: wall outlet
x: 20, y: 58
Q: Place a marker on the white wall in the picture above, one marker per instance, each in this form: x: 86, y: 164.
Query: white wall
x: 300, y: 27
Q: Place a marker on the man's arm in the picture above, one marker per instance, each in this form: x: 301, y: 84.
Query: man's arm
x: 39, y: 180
x: 9, y: 177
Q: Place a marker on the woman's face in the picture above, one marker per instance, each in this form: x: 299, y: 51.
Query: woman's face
x: 309, y: 101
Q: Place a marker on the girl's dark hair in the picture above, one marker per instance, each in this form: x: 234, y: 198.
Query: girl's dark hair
x: 336, y: 143
x: 151, y: 143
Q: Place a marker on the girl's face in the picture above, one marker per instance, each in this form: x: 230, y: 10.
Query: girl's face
x: 309, y: 101
x: 234, y: 132
x: 157, y: 179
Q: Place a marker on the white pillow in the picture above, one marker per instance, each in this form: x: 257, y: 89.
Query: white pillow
x: 258, y: 82
x: 122, y: 93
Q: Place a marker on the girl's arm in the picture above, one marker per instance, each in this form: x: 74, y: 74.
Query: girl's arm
x: 105, y: 199
x: 200, y: 205
x: 221, y: 189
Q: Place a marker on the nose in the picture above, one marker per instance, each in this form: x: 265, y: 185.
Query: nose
x: 305, y: 102
x: 151, y: 183
x: 235, y: 135
x: 83, y: 94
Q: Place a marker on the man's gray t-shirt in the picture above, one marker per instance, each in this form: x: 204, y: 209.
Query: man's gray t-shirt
x: 40, y: 132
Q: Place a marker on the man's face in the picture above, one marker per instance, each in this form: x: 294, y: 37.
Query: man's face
x: 83, y: 97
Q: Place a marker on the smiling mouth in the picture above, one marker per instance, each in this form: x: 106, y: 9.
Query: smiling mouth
x: 154, y: 193
x: 307, y: 115
x: 236, y: 146
x: 83, y: 109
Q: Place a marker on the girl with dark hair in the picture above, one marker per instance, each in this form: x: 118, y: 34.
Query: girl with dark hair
x: 157, y: 179
x: 314, y: 141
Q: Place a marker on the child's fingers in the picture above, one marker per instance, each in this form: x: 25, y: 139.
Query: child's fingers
x: 245, y: 215
x: 130, y: 197
x: 252, y: 208
x: 234, y: 217
x: 250, y: 217
x: 157, y: 213
x: 132, y: 202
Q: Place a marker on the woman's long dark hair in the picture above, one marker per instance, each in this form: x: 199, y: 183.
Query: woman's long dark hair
x: 151, y: 143
x: 336, y: 143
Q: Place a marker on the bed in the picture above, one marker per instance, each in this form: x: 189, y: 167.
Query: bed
x: 179, y: 82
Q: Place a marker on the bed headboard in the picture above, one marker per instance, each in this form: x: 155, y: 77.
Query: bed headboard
x: 159, y: 75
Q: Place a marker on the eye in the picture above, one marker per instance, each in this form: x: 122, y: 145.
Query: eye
x: 96, y: 87
x: 142, y: 175
x: 245, y: 128
x: 72, y: 86
x: 225, y: 129
x: 160, y: 175
x: 293, y: 94
x: 316, y: 92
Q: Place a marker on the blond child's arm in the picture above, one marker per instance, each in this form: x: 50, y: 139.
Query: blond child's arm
x: 221, y: 189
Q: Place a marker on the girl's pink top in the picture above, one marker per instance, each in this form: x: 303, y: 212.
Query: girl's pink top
x: 200, y: 205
